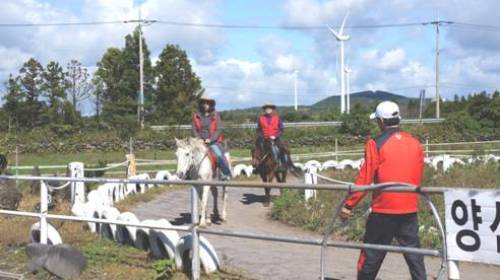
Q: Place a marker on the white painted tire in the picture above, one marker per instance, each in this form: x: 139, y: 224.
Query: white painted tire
x: 208, y: 257
x: 329, y: 164
x: 163, y: 175
x: 54, y: 237
x: 126, y: 234
x: 314, y: 163
x: 142, y: 236
x: 249, y: 170
x: 142, y: 188
x: 87, y: 210
x: 109, y: 230
x: 162, y: 242
x: 357, y: 163
x: 300, y: 165
x: 100, y: 197
x: 239, y: 169
x: 346, y: 163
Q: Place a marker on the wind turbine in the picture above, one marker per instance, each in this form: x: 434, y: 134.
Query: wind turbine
x: 341, y: 37
x: 348, y: 72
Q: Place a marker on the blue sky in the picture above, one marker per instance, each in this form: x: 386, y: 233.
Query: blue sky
x: 242, y: 68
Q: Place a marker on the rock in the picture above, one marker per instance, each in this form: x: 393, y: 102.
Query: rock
x: 10, y: 196
x: 61, y: 260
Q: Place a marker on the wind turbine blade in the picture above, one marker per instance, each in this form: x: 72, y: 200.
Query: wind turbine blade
x: 334, y: 32
x: 341, y: 30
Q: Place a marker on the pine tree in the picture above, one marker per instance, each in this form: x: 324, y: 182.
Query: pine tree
x: 31, y: 82
x: 178, y: 88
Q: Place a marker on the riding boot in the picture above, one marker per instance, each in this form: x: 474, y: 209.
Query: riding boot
x: 226, y: 172
x: 284, y: 161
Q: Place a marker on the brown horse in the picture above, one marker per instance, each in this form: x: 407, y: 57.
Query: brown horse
x: 267, y: 167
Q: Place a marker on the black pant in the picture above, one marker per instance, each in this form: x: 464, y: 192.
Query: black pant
x: 381, y: 229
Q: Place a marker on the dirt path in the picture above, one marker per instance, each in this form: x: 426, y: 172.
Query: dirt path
x: 273, y: 260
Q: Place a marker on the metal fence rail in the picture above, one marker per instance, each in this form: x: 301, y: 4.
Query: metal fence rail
x: 44, y: 216
x: 293, y: 124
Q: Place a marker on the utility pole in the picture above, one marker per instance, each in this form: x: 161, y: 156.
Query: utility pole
x: 140, y: 107
x: 140, y: 112
x: 437, y: 72
x: 295, y: 87
x: 438, y: 23
x: 421, y: 109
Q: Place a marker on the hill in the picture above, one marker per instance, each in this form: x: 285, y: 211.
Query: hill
x: 363, y: 97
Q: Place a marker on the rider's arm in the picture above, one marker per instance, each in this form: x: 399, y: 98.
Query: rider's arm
x: 259, y: 129
x: 194, y: 130
x: 366, y: 173
x: 218, y: 129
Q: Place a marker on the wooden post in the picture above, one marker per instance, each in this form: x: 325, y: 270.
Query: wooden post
x: 131, y: 165
x: 336, y: 149
x: 426, y: 147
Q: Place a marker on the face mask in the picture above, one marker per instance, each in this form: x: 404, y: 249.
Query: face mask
x: 268, y: 111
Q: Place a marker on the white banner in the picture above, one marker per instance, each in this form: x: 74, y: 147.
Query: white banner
x: 472, y: 220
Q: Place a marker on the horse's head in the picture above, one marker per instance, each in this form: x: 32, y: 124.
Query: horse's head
x: 259, y: 151
x: 189, y: 154
x: 185, y: 157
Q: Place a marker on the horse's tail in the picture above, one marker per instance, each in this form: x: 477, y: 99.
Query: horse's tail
x: 296, y: 171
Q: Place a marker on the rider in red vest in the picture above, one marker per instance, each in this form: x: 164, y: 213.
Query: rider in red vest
x: 393, y: 156
x: 270, y: 127
x: 207, y: 126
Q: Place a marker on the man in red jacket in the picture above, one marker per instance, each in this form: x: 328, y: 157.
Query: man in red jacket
x: 393, y: 156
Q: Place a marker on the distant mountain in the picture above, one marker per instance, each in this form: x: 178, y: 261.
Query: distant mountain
x: 363, y: 97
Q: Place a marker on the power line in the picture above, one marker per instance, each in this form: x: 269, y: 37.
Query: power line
x: 61, y: 24
x: 283, y: 27
x: 211, y: 25
x: 252, y: 26
x: 478, y: 26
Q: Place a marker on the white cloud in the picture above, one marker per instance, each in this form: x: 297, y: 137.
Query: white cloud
x: 389, y: 60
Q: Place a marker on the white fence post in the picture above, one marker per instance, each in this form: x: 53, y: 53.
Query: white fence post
x: 77, y: 170
x: 44, y: 201
x: 311, y: 179
x: 195, y: 246
x: 453, y: 271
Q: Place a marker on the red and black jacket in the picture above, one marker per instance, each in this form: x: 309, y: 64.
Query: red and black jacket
x: 393, y: 156
x: 213, y: 125
x: 270, y: 125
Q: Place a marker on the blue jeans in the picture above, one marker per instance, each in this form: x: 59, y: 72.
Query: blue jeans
x: 221, y: 159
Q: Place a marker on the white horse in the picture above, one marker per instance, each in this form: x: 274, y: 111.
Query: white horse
x: 194, y: 163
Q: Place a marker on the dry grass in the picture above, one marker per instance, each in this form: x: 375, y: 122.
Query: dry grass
x: 290, y: 208
x: 107, y: 260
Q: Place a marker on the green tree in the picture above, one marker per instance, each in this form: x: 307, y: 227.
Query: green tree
x: 118, y: 109
x: 357, y: 123
x: 178, y: 87
x: 118, y: 84
x: 54, y: 88
x: 97, y: 96
x: 31, y: 81
x: 14, y: 99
